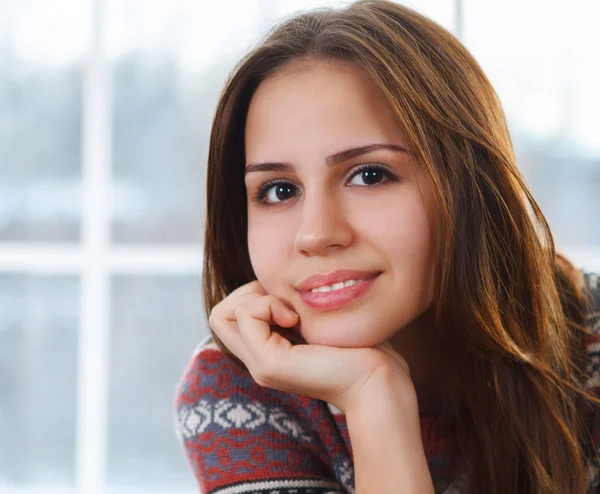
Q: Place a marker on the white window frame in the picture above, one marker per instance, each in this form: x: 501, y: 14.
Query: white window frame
x: 96, y: 260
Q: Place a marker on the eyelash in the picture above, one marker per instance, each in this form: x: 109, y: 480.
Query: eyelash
x: 264, y: 188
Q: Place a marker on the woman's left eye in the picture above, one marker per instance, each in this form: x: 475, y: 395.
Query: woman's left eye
x: 370, y: 175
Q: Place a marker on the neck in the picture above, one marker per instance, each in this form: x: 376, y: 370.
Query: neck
x: 417, y: 344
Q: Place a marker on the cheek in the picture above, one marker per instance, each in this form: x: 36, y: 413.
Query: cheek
x: 415, y: 256
x: 403, y: 238
x: 267, y: 249
x: 401, y: 230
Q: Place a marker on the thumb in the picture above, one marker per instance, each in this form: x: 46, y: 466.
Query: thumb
x: 282, y: 315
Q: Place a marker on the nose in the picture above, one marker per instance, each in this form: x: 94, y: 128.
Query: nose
x: 323, y: 225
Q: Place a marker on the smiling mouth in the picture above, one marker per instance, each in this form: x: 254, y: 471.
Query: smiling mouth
x: 338, y: 295
x: 337, y: 286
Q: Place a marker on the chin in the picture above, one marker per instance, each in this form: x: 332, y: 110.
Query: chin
x: 343, y: 335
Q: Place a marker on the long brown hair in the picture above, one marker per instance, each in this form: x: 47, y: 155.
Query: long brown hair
x: 509, y: 313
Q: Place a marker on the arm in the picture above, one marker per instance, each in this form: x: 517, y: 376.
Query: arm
x: 386, y: 441
x: 348, y: 378
x: 239, y: 437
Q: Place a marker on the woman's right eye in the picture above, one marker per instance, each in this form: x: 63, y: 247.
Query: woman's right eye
x: 276, y: 192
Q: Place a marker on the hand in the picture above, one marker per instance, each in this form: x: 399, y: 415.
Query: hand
x: 340, y: 376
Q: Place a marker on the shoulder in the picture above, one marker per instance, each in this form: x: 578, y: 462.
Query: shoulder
x: 591, y: 290
x: 591, y: 287
x: 236, y: 432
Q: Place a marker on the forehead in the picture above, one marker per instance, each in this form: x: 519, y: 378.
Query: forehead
x: 327, y: 105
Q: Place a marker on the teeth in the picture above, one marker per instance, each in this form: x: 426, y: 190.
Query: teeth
x: 335, y: 286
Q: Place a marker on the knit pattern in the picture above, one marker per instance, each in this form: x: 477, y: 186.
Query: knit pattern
x: 592, y: 284
x: 241, y: 438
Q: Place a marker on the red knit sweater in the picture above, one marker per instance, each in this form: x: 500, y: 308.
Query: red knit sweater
x: 244, y: 438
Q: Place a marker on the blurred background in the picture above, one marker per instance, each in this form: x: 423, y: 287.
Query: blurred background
x: 105, y: 110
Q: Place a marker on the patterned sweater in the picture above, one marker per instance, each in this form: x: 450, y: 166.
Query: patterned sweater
x: 243, y: 438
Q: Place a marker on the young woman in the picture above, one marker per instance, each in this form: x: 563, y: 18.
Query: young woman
x: 388, y: 313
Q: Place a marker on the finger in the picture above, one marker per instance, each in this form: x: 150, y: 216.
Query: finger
x: 223, y: 322
x: 314, y: 370
x: 254, y: 322
x: 241, y: 295
x: 227, y: 310
x: 254, y: 332
x: 252, y: 287
x: 229, y: 334
x: 271, y: 309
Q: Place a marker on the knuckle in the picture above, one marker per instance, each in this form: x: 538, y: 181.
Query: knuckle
x: 258, y: 374
x: 259, y: 379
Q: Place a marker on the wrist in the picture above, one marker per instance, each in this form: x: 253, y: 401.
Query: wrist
x: 390, y: 388
x: 387, y: 414
x: 388, y: 452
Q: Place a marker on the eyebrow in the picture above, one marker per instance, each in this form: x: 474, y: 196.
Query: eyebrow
x: 334, y: 159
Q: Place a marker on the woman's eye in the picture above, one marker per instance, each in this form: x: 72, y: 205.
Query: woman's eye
x: 277, y: 192
x: 369, y: 175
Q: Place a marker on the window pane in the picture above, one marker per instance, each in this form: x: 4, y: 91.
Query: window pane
x: 156, y: 324
x: 38, y: 380
x: 546, y: 72
x: 40, y: 104
x: 168, y: 71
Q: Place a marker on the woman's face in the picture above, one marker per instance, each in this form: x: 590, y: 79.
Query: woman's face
x: 347, y: 204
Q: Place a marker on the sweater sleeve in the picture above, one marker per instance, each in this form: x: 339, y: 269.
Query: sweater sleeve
x: 592, y: 289
x: 240, y: 437
x: 592, y: 286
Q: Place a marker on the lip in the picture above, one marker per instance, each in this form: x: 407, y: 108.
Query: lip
x: 328, y: 301
x: 339, y: 276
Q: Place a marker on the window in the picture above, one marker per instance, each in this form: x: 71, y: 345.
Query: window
x: 541, y: 59
x: 107, y: 106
